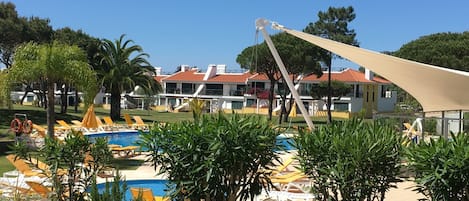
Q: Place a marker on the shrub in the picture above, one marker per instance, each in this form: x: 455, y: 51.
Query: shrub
x: 72, y: 163
x: 113, y: 191
x: 441, y: 167
x: 214, y: 158
x: 350, y: 160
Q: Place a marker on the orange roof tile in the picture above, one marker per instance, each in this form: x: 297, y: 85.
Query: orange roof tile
x: 231, y: 78
x: 188, y: 76
x: 262, y: 77
x: 158, y: 78
x: 349, y: 75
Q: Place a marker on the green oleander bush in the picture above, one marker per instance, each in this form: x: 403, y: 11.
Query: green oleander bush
x: 441, y: 167
x: 350, y: 160
x: 216, y: 157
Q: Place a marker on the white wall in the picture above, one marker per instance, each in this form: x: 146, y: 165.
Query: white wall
x: 387, y: 104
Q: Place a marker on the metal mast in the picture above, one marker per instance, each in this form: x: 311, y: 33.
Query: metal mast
x: 260, y: 25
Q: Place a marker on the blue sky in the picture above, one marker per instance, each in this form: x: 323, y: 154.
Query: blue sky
x: 198, y: 33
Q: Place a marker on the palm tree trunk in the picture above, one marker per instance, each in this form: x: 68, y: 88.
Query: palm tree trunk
x: 50, y: 109
x: 115, y: 103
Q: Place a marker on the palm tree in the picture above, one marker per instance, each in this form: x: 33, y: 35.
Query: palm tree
x: 54, y: 63
x: 120, y: 73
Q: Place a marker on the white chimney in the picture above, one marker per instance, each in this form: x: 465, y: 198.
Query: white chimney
x: 369, y: 74
x: 211, y: 71
x: 221, y: 68
x: 158, y: 71
x: 185, y: 68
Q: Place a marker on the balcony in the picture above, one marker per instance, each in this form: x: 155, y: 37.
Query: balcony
x: 237, y: 92
x: 217, y: 92
x: 172, y: 91
x: 188, y: 91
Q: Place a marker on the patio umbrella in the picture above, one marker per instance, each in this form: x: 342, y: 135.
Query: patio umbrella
x: 89, y: 119
x: 293, y: 110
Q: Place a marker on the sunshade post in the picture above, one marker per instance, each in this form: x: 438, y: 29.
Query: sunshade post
x: 260, y: 25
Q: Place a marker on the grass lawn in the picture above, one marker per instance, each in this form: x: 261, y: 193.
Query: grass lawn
x: 5, y: 165
x: 38, y: 116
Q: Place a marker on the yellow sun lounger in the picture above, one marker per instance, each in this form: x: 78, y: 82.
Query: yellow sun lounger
x: 128, y: 121
x: 108, y: 121
x: 102, y: 126
x: 41, y: 131
x: 64, y: 125
x: 139, y: 123
x: 146, y: 194
x: 39, y: 188
x: 128, y: 151
x: 42, y: 190
x: 41, y: 165
x: 23, y: 167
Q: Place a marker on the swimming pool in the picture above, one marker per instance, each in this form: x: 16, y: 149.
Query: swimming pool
x: 157, y: 186
x: 123, y: 138
x: 129, y: 138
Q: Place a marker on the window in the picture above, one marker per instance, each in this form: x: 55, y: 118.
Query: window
x: 172, y: 101
x: 259, y: 85
x: 188, y: 88
x: 305, y: 89
x: 170, y: 88
x: 214, y: 89
x: 385, y: 92
x: 251, y: 103
x: 240, y: 90
x: 237, y: 105
x: 342, y: 107
x: 358, y: 91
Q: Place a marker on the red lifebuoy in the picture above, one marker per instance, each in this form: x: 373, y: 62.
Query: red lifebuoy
x: 27, y: 126
x: 16, y: 126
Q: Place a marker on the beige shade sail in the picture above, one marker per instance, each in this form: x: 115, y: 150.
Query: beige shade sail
x: 435, y: 88
x: 89, y: 119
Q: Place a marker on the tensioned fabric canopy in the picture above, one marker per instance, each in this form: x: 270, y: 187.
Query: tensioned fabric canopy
x: 435, y: 88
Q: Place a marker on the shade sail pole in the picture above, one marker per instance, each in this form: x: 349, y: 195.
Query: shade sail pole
x: 260, y: 25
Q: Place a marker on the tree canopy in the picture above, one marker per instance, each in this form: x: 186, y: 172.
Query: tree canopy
x: 298, y: 56
x: 449, y: 50
x: 333, y: 24
x: 339, y: 89
x: 15, y: 30
x: 52, y: 63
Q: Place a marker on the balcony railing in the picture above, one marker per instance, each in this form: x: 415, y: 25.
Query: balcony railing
x: 237, y: 92
x: 172, y: 90
x: 218, y: 92
x: 188, y: 91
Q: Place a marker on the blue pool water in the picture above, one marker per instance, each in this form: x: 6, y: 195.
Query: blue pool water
x: 123, y: 138
x: 129, y: 138
x: 157, y: 186
x: 286, y: 141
